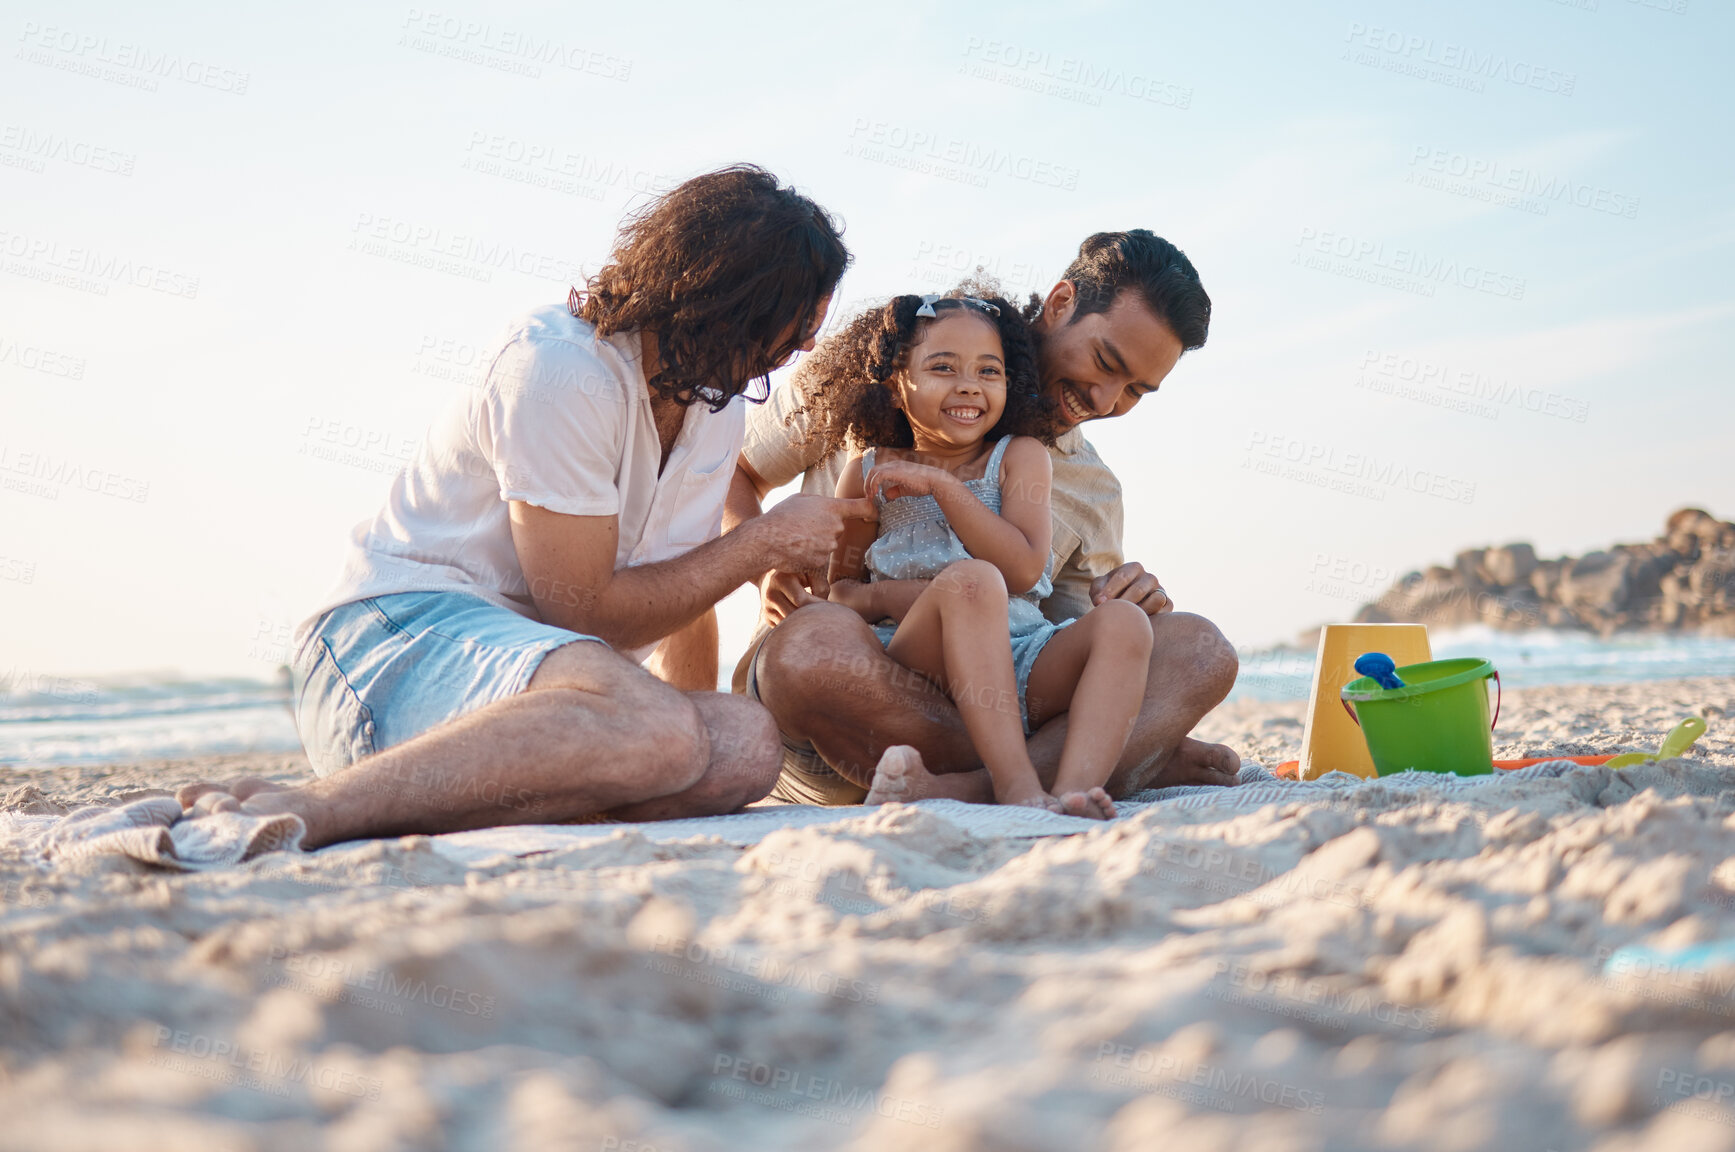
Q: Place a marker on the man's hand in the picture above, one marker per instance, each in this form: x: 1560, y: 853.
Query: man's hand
x: 782, y: 593
x: 568, y: 562
x: 1132, y: 582
x: 800, y: 534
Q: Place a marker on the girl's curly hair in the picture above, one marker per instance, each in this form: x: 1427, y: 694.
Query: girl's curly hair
x: 846, y: 383
x: 728, y: 269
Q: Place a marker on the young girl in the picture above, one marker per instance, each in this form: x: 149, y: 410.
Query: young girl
x: 939, y: 400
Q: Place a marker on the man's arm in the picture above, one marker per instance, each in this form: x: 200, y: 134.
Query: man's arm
x: 568, y: 562
x: 779, y: 446
x: 747, y: 492
x: 780, y: 593
x: 1088, y: 511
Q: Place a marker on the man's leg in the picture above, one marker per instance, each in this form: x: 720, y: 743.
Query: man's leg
x: 744, y: 758
x: 1193, y: 666
x: 592, y: 733
x: 826, y: 679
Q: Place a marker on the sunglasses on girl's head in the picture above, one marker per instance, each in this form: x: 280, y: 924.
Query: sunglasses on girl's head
x: 928, y: 302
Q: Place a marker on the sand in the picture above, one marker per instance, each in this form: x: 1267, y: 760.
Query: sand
x: 1348, y: 973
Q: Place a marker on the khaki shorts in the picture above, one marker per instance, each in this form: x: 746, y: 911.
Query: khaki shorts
x: 806, y: 777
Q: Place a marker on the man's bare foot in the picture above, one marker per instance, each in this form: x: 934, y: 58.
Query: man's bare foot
x: 899, y: 777
x: 1189, y: 762
x: 1091, y: 804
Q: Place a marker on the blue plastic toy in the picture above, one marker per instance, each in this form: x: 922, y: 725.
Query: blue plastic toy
x: 1379, y: 666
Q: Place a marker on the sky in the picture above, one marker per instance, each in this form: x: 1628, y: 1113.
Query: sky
x: 1468, y: 264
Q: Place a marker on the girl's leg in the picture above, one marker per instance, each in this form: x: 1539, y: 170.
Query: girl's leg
x: 956, y: 634
x: 1095, y: 669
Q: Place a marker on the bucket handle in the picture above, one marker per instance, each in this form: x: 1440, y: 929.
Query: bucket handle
x: 1499, y: 694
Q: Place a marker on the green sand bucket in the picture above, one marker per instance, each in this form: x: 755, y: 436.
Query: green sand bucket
x: 1437, y: 722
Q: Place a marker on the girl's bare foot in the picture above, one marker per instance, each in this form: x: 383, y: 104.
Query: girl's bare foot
x: 899, y: 777
x: 1092, y: 804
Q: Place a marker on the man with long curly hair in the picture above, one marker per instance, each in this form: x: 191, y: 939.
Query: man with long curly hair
x: 1108, y: 334
x: 478, y: 662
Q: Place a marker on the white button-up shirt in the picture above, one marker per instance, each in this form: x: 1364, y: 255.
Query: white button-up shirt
x: 563, y: 420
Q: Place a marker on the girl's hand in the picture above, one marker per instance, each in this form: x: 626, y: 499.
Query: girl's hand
x: 896, y: 478
x: 854, y: 595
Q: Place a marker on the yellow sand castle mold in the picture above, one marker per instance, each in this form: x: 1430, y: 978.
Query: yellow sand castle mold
x: 1332, y: 742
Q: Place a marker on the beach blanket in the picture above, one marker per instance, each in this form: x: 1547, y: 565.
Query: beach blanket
x: 1257, y: 789
x: 154, y: 831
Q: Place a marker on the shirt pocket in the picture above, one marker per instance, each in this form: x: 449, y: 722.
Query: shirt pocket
x: 1064, y: 545
x: 698, y: 513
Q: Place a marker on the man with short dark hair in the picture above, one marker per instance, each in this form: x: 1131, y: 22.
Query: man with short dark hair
x: 1108, y: 334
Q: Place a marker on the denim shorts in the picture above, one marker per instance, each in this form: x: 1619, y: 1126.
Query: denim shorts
x: 374, y: 673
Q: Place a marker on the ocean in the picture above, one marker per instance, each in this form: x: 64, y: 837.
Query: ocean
x: 48, y: 720
x: 1524, y: 660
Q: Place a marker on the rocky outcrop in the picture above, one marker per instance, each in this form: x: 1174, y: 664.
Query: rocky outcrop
x: 1683, y: 581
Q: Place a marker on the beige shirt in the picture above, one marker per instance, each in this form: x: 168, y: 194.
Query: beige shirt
x: 1086, y: 502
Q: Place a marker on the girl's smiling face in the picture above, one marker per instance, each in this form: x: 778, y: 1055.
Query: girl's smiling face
x: 953, y: 385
